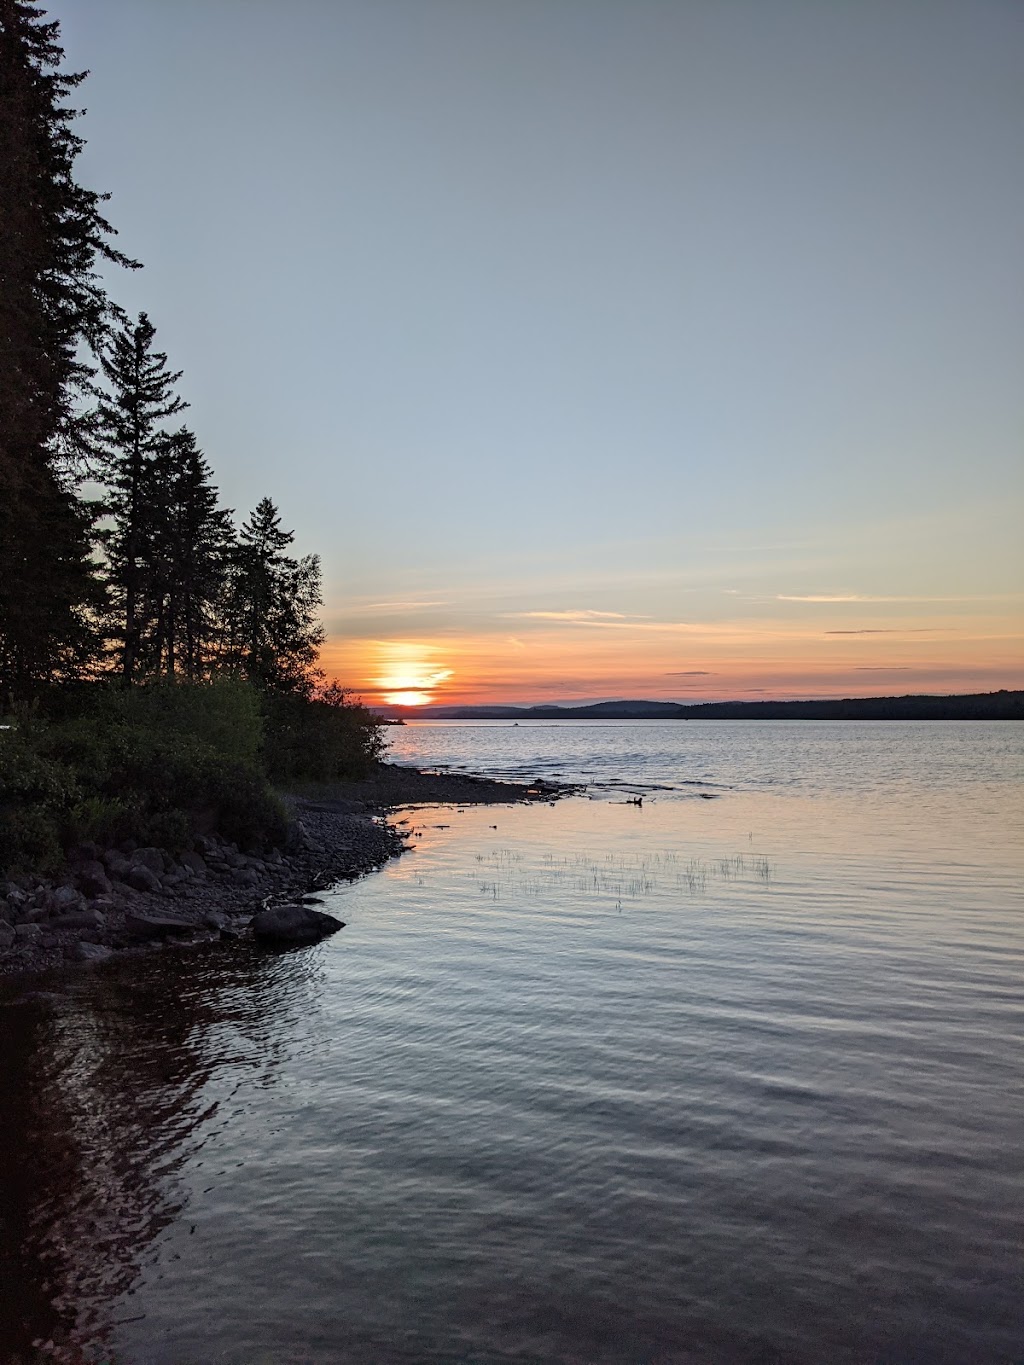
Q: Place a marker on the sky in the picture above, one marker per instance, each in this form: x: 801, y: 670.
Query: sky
x: 646, y: 348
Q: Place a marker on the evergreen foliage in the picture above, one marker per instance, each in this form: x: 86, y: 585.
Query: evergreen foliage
x: 272, y: 633
x: 128, y: 442
x: 216, y: 629
x: 52, y: 235
x: 190, y: 549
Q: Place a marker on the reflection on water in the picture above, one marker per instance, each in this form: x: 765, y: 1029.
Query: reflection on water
x: 113, y: 1082
x: 694, y: 1081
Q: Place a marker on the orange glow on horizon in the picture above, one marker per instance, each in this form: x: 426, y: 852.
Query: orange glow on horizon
x: 550, y: 659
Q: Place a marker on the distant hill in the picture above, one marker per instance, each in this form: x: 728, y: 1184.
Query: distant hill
x: 973, y: 706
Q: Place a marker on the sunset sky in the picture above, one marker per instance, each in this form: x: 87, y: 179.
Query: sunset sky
x: 634, y: 349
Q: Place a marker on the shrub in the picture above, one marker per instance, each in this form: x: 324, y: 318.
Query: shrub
x: 36, y: 798
x: 323, y: 739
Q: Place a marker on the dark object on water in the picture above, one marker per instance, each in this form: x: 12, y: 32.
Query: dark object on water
x: 142, y: 926
x: 294, y: 924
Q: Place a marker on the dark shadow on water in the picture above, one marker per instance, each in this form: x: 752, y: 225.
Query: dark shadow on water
x: 103, y: 1098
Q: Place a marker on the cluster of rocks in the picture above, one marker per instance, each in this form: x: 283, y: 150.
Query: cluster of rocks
x: 128, y: 897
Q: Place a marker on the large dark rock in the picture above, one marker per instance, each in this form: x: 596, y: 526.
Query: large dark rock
x: 194, y: 862
x: 143, y: 926
x: 79, y: 919
x: 152, y: 858
x: 141, y: 878
x: 64, y: 900
x: 6, y: 938
x: 92, y: 878
x: 294, y: 924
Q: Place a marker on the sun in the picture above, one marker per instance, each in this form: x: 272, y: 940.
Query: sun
x: 407, y: 698
x: 410, y: 680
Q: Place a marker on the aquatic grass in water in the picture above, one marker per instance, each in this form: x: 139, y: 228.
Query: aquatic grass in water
x: 615, y: 876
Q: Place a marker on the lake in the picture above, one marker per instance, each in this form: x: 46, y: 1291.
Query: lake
x: 731, y: 1074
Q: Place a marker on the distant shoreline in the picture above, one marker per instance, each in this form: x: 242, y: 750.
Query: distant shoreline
x: 1002, y: 705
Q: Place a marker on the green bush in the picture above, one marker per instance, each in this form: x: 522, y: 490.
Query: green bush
x: 322, y: 740
x: 36, y: 798
x: 163, y: 762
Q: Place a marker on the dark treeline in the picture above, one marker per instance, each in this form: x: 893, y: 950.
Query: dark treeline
x: 122, y: 578
x: 974, y: 706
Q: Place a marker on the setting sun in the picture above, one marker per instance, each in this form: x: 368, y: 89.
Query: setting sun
x: 409, y: 680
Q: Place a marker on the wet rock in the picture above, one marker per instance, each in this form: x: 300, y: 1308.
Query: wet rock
x: 143, y: 926
x: 294, y: 924
x: 142, y: 878
x: 92, y: 878
x: 90, y: 952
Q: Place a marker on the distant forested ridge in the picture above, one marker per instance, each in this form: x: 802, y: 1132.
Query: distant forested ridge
x: 972, y: 706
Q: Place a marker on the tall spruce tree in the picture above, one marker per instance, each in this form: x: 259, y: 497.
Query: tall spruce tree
x: 273, y: 635
x: 192, y: 542
x: 52, y: 235
x: 128, y: 442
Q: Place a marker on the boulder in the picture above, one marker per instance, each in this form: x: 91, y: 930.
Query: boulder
x: 141, y: 926
x: 141, y: 878
x: 152, y: 858
x: 90, y: 952
x: 79, y: 919
x: 115, y: 861
x: 92, y: 878
x: 6, y: 938
x: 294, y: 924
x: 27, y: 933
x: 195, y: 862
x: 245, y: 876
x: 64, y: 900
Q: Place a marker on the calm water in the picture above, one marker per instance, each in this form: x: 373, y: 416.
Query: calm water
x: 727, y: 1079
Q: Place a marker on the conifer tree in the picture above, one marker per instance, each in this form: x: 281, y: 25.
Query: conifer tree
x: 52, y: 234
x: 128, y: 442
x: 193, y: 537
x: 274, y: 636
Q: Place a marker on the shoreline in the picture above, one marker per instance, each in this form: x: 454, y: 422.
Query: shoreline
x: 120, y: 901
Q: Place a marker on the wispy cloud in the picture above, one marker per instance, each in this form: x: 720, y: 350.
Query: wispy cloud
x: 584, y: 617
x: 893, y: 630
x: 691, y: 673
x: 842, y: 597
x: 882, y: 668
x: 873, y: 597
x: 397, y: 606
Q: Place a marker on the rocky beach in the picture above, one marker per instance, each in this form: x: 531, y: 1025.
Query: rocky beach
x: 134, y: 899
